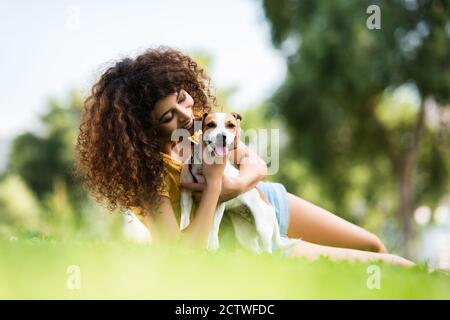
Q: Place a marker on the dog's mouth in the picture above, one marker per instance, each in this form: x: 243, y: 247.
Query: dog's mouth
x: 217, y: 149
x: 221, y: 151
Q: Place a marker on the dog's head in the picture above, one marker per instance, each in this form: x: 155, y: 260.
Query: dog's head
x: 219, y: 132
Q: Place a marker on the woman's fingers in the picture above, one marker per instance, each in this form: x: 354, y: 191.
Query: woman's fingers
x: 237, y: 138
x: 193, y: 186
x: 197, y: 195
x: 196, y: 188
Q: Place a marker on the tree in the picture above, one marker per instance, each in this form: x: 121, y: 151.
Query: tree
x: 44, y: 159
x: 340, y: 73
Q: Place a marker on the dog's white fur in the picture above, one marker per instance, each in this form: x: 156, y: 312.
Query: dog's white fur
x: 255, y: 222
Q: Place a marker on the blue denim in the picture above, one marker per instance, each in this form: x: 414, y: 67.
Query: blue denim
x: 277, y: 195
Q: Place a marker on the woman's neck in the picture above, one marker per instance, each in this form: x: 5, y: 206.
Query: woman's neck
x: 167, y: 147
x: 170, y: 148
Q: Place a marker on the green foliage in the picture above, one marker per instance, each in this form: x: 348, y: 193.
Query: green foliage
x: 20, y: 210
x: 341, y: 96
x: 38, y: 160
x: 23, y: 215
x: 41, y: 158
x: 39, y: 195
x: 341, y: 69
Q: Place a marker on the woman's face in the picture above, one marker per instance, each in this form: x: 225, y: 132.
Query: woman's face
x: 174, y: 112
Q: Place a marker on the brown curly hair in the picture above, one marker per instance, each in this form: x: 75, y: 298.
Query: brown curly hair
x: 117, y: 150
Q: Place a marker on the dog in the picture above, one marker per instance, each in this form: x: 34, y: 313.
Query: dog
x: 253, y: 217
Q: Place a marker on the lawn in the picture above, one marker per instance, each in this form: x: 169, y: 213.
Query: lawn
x: 79, y: 269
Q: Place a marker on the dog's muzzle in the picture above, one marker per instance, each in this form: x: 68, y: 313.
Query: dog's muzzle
x: 220, y: 146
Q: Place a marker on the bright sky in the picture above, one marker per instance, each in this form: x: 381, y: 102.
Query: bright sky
x: 49, y: 47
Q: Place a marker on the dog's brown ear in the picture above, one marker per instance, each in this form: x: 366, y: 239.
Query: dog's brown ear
x: 204, y: 116
x: 236, y: 115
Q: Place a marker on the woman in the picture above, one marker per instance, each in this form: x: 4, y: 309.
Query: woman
x: 125, y: 152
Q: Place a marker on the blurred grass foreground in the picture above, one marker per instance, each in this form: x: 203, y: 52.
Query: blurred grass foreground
x: 49, y: 269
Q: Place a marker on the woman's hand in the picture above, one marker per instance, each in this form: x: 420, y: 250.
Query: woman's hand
x: 237, y: 138
x: 212, y: 167
x: 214, y: 174
x: 231, y: 188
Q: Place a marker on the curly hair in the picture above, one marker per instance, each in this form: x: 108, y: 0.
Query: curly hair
x: 117, y: 150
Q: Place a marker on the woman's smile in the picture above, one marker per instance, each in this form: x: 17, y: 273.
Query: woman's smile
x: 190, y: 124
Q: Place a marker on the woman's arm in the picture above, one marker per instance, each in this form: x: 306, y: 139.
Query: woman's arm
x: 252, y: 168
x: 197, y: 232
x: 161, y: 220
x: 162, y: 224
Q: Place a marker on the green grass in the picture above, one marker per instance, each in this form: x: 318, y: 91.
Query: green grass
x: 37, y: 269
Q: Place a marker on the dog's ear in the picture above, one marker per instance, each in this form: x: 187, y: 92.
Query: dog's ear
x: 204, y: 116
x: 236, y: 115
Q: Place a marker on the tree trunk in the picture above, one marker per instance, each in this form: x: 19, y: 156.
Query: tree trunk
x: 405, y: 171
x: 404, y: 168
x: 405, y: 184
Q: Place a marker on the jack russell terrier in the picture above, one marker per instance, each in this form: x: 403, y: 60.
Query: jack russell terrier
x: 253, y: 217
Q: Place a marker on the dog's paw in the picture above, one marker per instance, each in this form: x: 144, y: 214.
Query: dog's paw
x: 213, y: 244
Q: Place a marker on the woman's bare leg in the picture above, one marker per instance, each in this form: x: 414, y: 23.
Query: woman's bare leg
x: 314, y: 224
x: 313, y: 251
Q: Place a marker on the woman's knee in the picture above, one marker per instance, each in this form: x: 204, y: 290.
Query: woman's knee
x: 305, y: 250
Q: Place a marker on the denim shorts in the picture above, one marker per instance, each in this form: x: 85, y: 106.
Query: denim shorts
x: 277, y: 195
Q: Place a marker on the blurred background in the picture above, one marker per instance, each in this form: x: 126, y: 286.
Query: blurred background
x: 363, y: 111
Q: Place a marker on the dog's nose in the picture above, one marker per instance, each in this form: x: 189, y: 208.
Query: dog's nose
x: 221, y: 139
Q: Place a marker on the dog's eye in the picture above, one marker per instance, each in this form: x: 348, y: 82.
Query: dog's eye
x: 231, y: 125
x: 211, y: 125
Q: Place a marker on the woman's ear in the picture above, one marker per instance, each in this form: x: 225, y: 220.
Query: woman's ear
x: 236, y: 115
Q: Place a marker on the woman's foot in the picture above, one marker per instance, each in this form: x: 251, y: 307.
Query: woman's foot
x: 378, y: 246
x: 394, y: 259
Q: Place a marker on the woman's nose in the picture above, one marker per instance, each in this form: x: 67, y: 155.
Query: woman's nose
x: 185, y: 113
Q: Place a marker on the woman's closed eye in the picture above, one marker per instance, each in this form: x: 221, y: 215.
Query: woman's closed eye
x: 167, y: 117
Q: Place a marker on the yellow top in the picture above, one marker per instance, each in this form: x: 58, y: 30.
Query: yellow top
x: 170, y: 187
